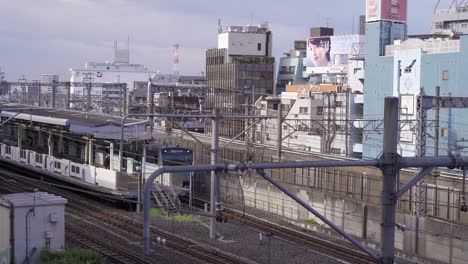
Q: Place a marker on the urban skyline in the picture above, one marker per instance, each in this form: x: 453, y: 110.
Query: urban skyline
x: 56, y: 35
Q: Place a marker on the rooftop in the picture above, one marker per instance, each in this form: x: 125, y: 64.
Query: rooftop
x: 31, y: 199
x: 84, y: 123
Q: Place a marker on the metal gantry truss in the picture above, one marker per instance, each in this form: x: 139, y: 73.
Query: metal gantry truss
x: 85, y: 102
x: 424, y: 104
x: 390, y: 163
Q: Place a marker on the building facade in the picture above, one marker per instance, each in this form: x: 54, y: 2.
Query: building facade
x: 242, y: 60
x: 411, y: 69
x: 454, y: 20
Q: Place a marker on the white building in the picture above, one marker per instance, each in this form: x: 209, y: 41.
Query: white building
x: 454, y: 20
x: 318, y: 119
x: 118, y: 71
x: 246, y: 40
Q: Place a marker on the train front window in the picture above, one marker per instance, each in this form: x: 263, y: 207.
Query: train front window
x: 177, y: 157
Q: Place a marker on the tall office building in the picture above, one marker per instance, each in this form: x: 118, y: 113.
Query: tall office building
x: 242, y: 61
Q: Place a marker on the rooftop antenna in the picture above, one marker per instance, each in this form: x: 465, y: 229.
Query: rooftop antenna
x: 327, y: 21
x: 220, y: 27
x: 175, y: 54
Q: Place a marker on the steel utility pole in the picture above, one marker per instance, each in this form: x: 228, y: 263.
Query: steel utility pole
x: 390, y: 173
x: 279, y: 140
x: 437, y: 121
x: 214, y: 178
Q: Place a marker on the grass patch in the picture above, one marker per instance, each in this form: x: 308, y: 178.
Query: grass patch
x: 311, y: 222
x: 71, y: 256
x: 158, y: 213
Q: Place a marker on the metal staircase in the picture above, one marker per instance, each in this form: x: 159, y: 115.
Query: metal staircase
x: 167, y: 199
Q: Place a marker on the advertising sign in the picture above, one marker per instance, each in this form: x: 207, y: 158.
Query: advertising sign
x: 331, y: 54
x: 389, y: 10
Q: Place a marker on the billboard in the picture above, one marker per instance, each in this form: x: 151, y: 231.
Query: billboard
x: 389, y: 10
x: 330, y: 54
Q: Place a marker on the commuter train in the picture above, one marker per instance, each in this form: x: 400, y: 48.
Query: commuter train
x: 165, y: 156
x: 110, y: 179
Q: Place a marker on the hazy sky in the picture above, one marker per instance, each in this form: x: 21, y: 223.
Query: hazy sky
x: 52, y: 36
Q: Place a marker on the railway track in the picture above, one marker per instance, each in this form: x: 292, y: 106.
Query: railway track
x: 110, y: 251
x: 299, y: 238
x: 101, y: 214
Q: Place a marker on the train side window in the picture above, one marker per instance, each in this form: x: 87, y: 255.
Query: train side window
x: 77, y: 169
x: 57, y: 165
x: 39, y: 158
x: 23, y: 154
x: 73, y: 168
x: 8, y: 150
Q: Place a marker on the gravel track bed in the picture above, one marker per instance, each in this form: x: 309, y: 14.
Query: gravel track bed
x: 117, y: 236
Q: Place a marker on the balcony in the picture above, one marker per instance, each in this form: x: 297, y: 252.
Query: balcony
x: 359, y: 98
x: 357, y: 147
x: 359, y: 73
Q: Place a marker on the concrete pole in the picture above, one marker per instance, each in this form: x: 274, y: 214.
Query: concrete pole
x: 86, y: 153
x: 54, y: 88
x: 437, y: 121
x: 111, y: 156
x: 60, y: 144
x: 90, y: 152
x: 68, y: 87
x: 214, y: 178
x: 279, y: 131
x: 40, y: 139
x: 389, y: 184
x: 50, y: 143
x: 20, y: 136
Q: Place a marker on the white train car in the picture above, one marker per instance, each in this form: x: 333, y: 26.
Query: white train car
x: 76, y: 170
x: 89, y: 174
x: 24, y: 156
x: 62, y: 166
x: 40, y: 160
x: 48, y: 162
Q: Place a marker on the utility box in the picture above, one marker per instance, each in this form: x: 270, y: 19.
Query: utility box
x: 30, y: 223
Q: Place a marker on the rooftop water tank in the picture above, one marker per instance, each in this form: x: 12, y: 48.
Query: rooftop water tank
x: 250, y: 29
x: 235, y: 29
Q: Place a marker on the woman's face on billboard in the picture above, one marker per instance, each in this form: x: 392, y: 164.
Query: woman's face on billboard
x: 319, y: 56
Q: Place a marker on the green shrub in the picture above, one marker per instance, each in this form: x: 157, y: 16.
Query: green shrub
x: 71, y: 256
x: 158, y: 213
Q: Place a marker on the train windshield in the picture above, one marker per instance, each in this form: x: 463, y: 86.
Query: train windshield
x: 176, y: 156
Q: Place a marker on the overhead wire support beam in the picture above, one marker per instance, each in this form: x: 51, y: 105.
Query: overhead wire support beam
x: 262, y: 173
x: 423, y: 173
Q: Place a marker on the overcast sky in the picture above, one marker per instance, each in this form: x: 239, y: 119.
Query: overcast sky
x: 52, y: 36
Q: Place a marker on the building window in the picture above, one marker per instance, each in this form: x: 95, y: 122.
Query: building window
x: 319, y: 110
x: 23, y: 154
x: 57, y: 165
x: 445, y: 75
x: 8, y: 150
x: 38, y: 158
x: 259, y: 46
x: 303, y: 110
x: 464, y: 25
x: 444, y: 132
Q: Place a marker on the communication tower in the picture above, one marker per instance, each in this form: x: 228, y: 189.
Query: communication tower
x: 175, y: 55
